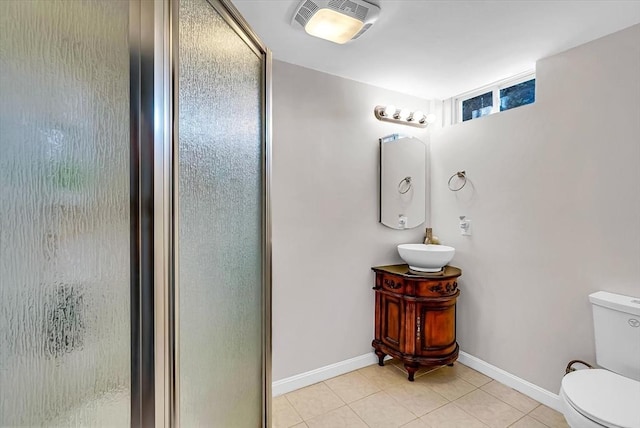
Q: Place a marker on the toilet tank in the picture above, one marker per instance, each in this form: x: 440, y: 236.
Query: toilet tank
x: 616, y: 322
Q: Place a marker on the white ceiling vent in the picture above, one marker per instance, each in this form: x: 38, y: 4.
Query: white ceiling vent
x: 336, y: 20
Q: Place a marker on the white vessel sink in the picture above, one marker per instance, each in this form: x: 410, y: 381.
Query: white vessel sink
x: 426, y: 258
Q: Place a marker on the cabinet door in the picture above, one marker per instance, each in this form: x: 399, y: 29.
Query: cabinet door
x: 391, y: 320
x: 436, y: 328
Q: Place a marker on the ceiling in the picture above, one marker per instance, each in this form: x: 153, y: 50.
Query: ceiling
x: 439, y: 49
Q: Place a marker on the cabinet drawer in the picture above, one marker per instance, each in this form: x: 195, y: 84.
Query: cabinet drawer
x: 392, y: 283
x: 436, y: 288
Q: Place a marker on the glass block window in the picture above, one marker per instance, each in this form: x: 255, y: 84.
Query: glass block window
x: 518, y: 95
x: 478, y: 106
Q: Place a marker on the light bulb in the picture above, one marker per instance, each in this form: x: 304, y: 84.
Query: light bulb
x: 389, y: 110
x: 431, y: 118
x: 417, y: 116
x: 404, y: 114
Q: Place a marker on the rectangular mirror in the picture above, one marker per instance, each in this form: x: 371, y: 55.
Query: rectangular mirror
x: 402, y: 182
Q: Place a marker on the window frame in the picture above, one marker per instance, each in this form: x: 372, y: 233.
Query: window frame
x: 494, y: 88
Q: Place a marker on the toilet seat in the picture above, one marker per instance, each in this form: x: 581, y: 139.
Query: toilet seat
x: 604, y: 397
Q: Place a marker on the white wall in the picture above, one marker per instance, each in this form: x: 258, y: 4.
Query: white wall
x: 326, y: 234
x: 554, y: 199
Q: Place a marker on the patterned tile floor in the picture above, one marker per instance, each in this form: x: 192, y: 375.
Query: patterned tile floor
x: 381, y: 397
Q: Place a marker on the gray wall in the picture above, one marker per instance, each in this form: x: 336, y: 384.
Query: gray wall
x: 326, y: 234
x: 554, y: 201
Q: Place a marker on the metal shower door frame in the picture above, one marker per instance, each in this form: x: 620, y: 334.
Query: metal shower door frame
x: 143, y: 217
x: 157, y: 368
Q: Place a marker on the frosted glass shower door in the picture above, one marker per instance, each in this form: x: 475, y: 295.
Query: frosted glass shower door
x: 64, y: 213
x: 219, y: 222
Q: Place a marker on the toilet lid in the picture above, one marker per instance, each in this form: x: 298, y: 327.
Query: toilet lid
x: 604, y: 397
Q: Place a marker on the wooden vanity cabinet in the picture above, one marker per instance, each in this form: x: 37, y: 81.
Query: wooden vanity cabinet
x: 415, y: 316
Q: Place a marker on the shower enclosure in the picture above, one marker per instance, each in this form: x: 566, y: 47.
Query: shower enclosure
x: 134, y: 215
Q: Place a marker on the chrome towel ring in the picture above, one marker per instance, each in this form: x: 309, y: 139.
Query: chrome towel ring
x: 462, y: 176
x: 405, y: 184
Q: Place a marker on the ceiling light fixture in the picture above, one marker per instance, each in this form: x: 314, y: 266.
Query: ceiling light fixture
x: 338, y: 21
x: 390, y: 113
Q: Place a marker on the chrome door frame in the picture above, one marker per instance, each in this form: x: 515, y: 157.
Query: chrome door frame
x: 163, y: 210
x: 167, y: 210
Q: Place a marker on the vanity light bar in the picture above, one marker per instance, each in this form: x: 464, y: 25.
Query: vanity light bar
x: 403, y: 116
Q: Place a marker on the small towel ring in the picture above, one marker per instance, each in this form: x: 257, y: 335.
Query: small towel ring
x: 407, y: 182
x: 460, y: 174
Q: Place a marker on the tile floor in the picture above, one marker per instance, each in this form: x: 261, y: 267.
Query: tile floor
x: 381, y: 397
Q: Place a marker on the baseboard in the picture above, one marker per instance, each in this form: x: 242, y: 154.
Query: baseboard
x: 301, y: 380
x: 541, y: 395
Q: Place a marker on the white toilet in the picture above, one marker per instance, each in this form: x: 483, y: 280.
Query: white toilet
x: 608, y: 398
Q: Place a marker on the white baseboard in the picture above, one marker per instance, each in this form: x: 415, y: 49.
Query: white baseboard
x: 541, y: 395
x: 301, y: 380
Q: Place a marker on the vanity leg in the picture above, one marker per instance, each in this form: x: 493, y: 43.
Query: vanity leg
x: 450, y: 365
x: 411, y: 369
x: 381, y: 356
